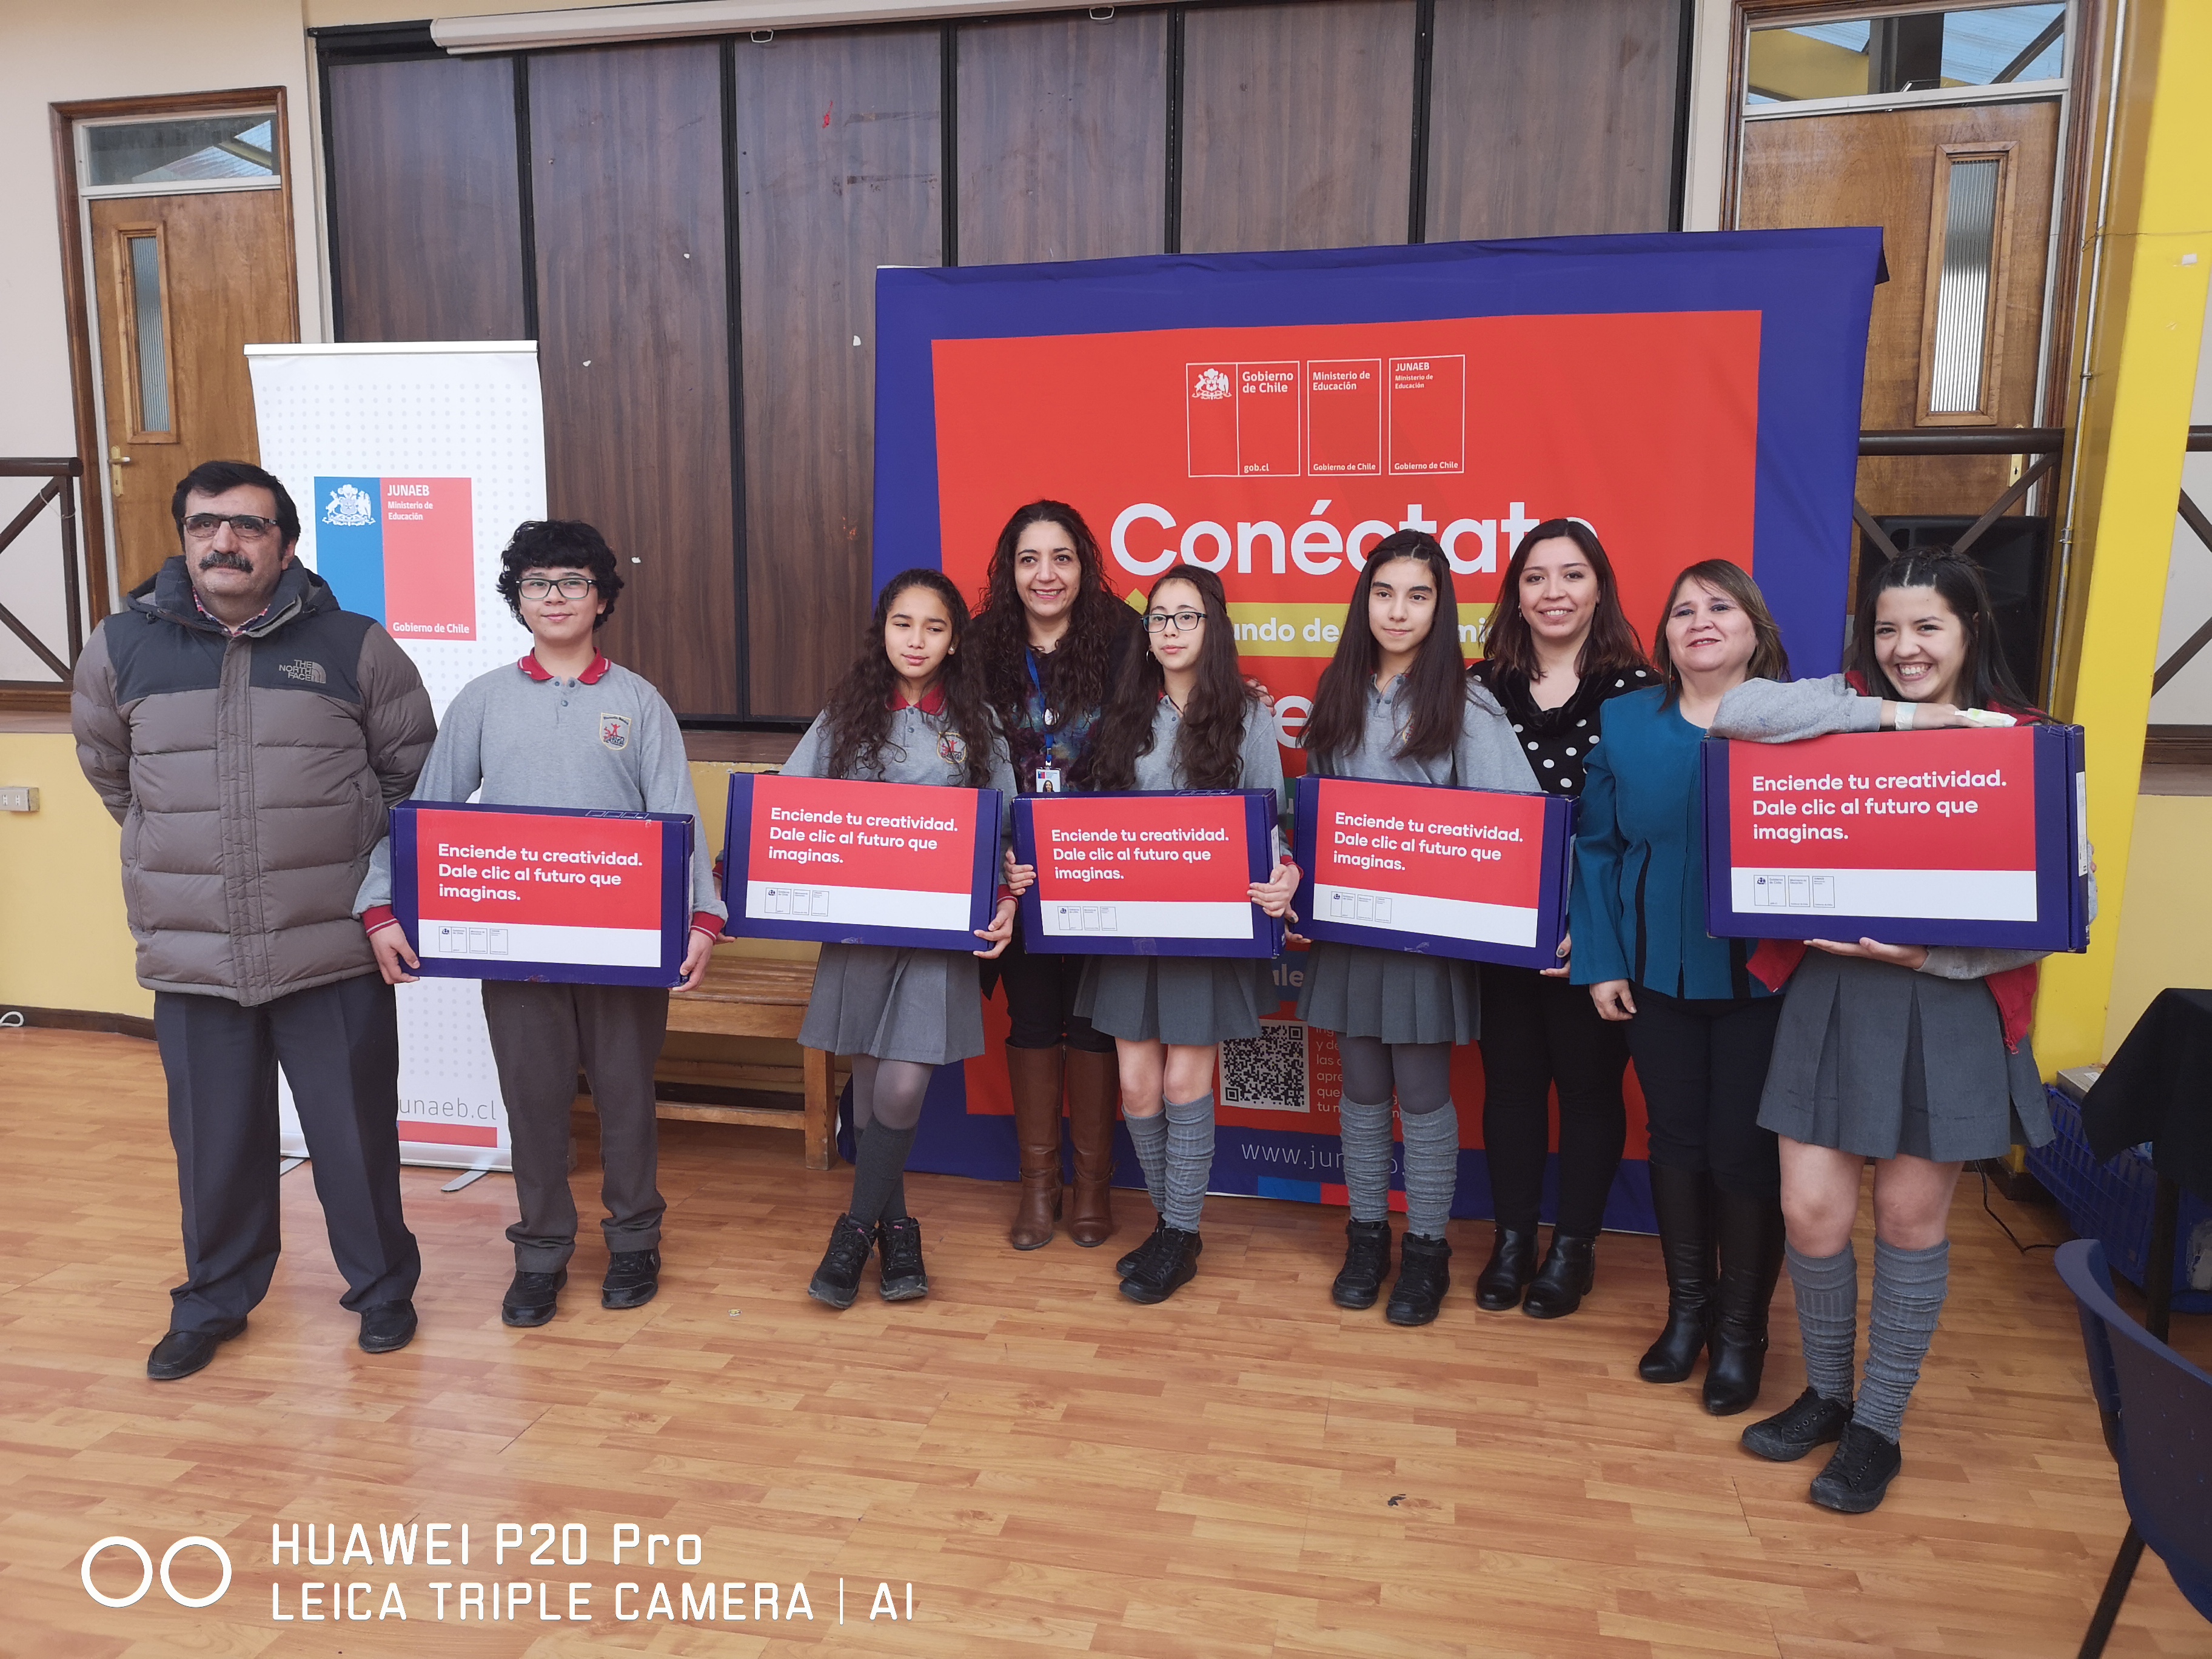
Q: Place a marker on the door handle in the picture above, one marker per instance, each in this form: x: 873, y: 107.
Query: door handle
x: 117, y: 460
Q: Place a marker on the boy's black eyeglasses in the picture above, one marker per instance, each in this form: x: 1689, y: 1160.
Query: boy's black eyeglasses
x: 538, y: 587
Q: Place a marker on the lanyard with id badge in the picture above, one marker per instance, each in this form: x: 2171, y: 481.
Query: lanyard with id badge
x: 1048, y: 777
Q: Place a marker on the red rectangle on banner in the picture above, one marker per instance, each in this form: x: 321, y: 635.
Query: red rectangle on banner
x: 1428, y: 414
x: 1475, y: 845
x: 1267, y: 421
x: 429, y: 558
x: 1953, y: 799
x: 1210, y: 416
x: 903, y: 837
x: 1344, y: 417
x: 539, y: 869
x: 424, y: 1133
x: 1164, y: 849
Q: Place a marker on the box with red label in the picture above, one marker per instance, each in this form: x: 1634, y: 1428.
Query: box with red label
x: 912, y: 865
x: 528, y: 892
x: 1154, y: 873
x: 1480, y: 874
x: 1958, y: 836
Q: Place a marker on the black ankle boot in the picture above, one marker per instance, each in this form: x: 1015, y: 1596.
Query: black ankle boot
x: 837, y: 1281
x: 1424, y: 1276
x: 1683, y: 1200
x: 1570, y: 1269
x: 1136, y: 1258
x: 1172, y: 1265
x: 1366, y: 1264
x: 904, y: 1277
x: 1749, y: 1230
x: 1512, y: 1264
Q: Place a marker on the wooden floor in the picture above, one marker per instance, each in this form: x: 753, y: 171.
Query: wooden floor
x: 1243, y: 1471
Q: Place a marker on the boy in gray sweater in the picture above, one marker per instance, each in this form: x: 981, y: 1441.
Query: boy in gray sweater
x: 564, y: 727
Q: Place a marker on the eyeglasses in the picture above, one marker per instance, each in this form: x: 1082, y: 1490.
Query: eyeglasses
x: 1181, y: 621
x: 246, y: 526
x: 572, y: 587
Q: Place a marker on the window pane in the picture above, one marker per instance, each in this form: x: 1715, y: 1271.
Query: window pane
x: 1962, y: 294
x: 153, y: 352
x: 202, y: 147
x: 1982, y: 46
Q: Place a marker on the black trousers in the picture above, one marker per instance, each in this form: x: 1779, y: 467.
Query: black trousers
x: 1537, y: 1033
x: 1039, y: 989
x: 1702, y: 1065
x: 540, y: 1034
x: 339, y: 1047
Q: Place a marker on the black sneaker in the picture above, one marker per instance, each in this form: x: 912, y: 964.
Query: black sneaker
x: 1859, y: 1472
x: 837, y: 1281
x: 905, y: 1279
x: 633, y: 1279
x: 1128, y: 1263
x: 1813, y: 1420
x: 1172, y: 1265
x: 1424, y: 1276
x: 1366, y: 1264
x: 531, y: 1299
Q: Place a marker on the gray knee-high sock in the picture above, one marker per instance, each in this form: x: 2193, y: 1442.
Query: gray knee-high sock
x: 1908, y: 1288
x: 1431, y: 1168
x: 1827, y: 1291
x: 1365, y: 1131
x: 1189, y: 1159
x: 1149, y: 1135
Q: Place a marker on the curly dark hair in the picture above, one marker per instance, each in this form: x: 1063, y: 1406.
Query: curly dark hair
x: 1610, y: 645
x: 1436, y: 684
x: 558, y: 544
x: 1079, y: 672
x: 1210, y: 743
x: 860, y: 709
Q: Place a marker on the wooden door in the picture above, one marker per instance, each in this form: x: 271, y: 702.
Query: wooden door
x: 181, y: 284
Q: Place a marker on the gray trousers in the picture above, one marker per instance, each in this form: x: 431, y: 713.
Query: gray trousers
x: 540, y: 1034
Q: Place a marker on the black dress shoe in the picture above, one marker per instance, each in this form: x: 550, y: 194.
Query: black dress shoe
x: 1512, y: 1263
x: 182, y: 1352
x: 633, y: 1279
x: 1424, y: 1276
x: 387, y: 1327
x: 1172, y: 1265
x: 905, y: 1279
x: 1812, y: 1419
x: 531, y: 1299
x: 837, y: 1281
x: 1859, y: 1472
x: 1366, y: 1264
x: 1570, y: 1269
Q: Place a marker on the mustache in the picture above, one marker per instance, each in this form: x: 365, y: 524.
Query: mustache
x: 222, y: 560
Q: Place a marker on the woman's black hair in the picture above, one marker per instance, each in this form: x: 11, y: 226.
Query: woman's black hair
x: 859, y: 708
x: 1435, y: 685
x: 1210, y: 742
x: 558, y: 544
x: 1985, y: 678
x: 1611, y: 645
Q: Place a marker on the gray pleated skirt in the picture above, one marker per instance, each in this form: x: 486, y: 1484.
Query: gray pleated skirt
x: 1192, y: 1000
x: 1393, y: 996
x: 1875, y: 1059
x: 924, y: 1006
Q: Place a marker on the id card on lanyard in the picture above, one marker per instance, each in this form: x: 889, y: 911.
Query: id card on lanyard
x: 1048, y: 777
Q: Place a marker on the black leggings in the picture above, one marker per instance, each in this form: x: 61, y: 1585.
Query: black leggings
x: 1537, y: 1032
x: 1702, y: 1065
x: 1040, y: 991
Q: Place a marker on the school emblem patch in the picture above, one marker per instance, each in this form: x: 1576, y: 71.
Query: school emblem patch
x: 952, y: 749
x: 614, y: 730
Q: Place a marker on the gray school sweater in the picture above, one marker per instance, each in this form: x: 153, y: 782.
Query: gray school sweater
x: 1486, y: 756
x: 920, y: 749
x: 1260, y: 761
x: 603, y: 742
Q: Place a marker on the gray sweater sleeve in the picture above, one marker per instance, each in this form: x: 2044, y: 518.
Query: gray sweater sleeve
x: 1489, y: 755
x: 453, y: 772
x: 813, y: 751
x: 1783, y: 711
x: 666, y: 773
x: 1968, y: 961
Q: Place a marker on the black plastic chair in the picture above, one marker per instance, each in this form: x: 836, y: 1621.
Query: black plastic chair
x: 2157, y: 1409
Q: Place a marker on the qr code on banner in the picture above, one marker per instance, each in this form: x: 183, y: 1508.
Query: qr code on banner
x: 1268, y: 1072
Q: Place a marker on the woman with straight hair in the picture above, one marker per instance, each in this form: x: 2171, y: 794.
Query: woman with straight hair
x: 1181, y: 718
x: 1915, y: 1059
x: 1559, y: 648
x: 1699, y: 1025
x: 1395, y: 704
x: 1048, y: 642
x: 911, y: 709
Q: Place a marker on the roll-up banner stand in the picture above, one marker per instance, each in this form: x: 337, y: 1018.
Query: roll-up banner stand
x: 411, y: 465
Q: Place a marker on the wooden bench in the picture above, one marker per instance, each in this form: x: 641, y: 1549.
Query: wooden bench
x: 756, y: 997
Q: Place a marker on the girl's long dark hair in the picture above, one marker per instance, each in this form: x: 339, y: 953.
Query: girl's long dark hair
x: 1985, y: 678
x: 1769, y: 659
x: 1210, y: 743
x: 1078, y: 672
x: 860, y: 709
x: 1610, y: 645
x: 1435, y: 684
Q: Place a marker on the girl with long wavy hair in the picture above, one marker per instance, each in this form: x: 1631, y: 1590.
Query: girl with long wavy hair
x: 911, y: 709
x: 1047, y: 645
x: 1395, y: 704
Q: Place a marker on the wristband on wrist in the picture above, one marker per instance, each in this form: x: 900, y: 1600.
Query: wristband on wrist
x: 1904, y: 722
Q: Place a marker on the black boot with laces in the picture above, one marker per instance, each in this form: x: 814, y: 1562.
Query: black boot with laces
x: 1860, y: 1473
x: 1366, y: 1264
x: 837, y: 1281
x: 1424, y: 1276
x: 1813, y: 1420
x: 1172, y: 1264
x: 905, y: 1279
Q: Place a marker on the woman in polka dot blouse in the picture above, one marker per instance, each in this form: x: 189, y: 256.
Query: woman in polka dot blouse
x: 1559, y: 646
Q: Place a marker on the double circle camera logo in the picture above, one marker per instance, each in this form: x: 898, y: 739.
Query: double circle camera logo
x: 148, y: 1574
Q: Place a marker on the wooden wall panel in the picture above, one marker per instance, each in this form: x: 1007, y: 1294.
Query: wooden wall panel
x: 1298, y: 124
x: 1063, y: 137
x: 1551, y: 118
x: 426, y: 224
x: 838, y: 162
x: 626, y: 171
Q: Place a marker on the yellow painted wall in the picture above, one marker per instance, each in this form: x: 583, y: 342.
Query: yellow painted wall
x: 2165, y: 933
x: 63, y: 941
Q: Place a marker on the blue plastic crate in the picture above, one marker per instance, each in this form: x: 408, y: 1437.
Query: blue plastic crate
x: 2111, y: 1202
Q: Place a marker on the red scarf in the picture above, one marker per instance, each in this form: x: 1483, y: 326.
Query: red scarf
x: 2013, y: 989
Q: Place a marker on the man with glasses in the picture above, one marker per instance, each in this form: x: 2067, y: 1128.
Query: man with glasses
x: 249, y: 734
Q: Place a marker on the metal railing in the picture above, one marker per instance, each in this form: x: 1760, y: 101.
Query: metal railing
x: 2041, y: 442
x: 62, y: 475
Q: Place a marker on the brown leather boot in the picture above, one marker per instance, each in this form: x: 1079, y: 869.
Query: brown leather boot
x: 1035, y: 1074
x: 1094, y: 1087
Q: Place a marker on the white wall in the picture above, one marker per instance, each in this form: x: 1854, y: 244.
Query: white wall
x: 2188, y: 700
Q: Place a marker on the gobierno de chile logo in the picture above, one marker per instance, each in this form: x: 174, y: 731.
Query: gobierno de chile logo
x: 1213, y: 386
